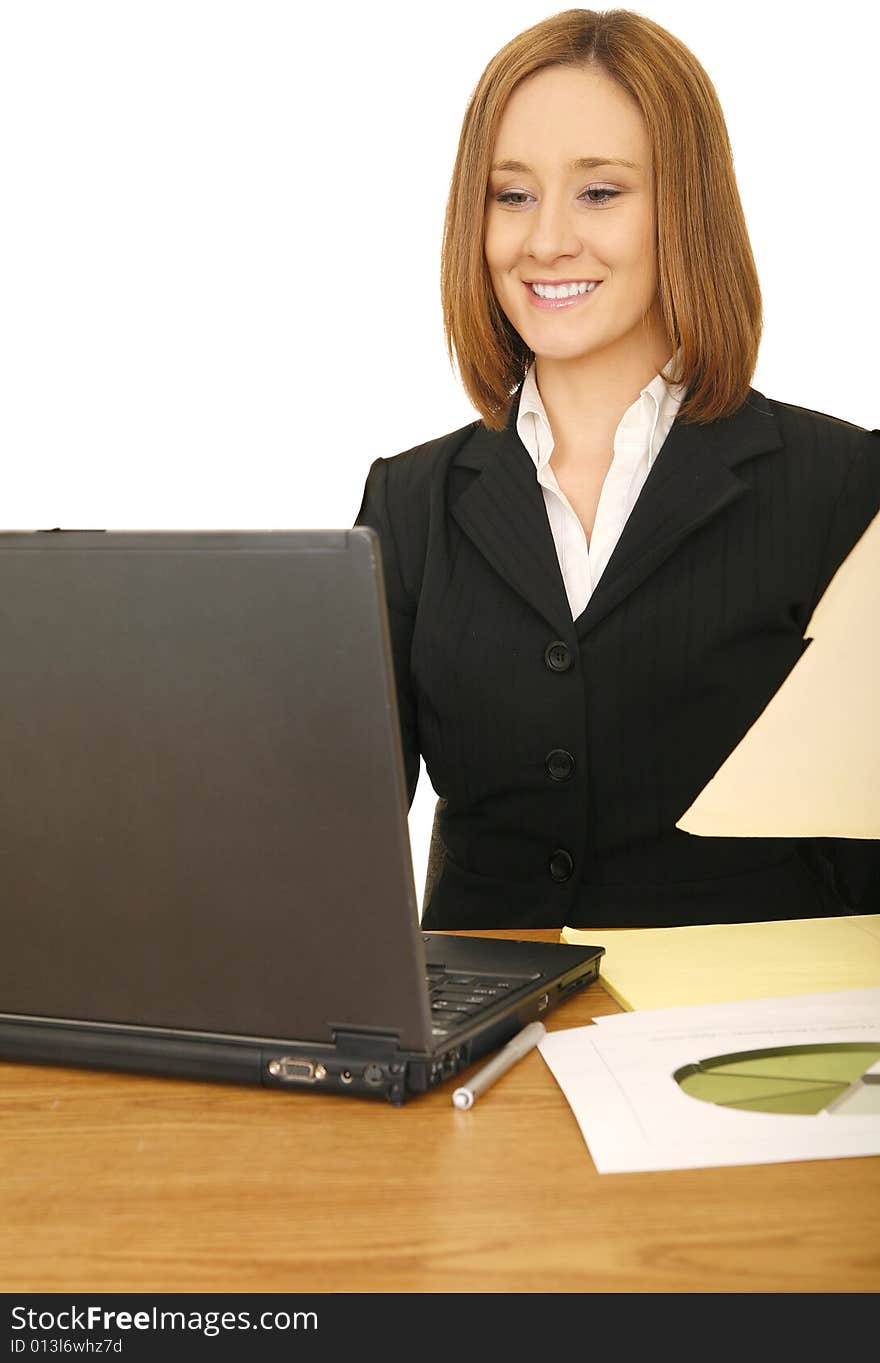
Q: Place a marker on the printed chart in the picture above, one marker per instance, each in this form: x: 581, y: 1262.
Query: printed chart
x: 840, y: 1079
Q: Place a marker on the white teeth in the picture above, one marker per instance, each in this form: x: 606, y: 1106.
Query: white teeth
x: 561, y: 290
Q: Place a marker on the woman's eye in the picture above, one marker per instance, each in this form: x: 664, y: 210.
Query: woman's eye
x: 605, y: 195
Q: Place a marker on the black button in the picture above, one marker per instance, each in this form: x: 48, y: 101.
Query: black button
x: 561, y: 864
x: 557, y: 656
x: 560, y: 764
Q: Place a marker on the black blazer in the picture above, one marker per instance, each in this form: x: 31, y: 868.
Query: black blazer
x: 563, y: 752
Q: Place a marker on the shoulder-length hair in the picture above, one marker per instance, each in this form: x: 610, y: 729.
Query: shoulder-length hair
x: 710, y: 297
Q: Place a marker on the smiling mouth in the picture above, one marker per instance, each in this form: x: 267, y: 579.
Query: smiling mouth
x: 554, y: 302
x: 557, y: 283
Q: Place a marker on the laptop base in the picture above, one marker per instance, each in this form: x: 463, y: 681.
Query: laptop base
x: 357, y: 1064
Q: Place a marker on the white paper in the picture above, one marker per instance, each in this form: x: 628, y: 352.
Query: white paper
x: 634, y: 1116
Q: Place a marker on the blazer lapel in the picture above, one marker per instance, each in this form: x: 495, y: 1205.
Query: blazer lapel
x: 691, y: 481
x: 502, y: 510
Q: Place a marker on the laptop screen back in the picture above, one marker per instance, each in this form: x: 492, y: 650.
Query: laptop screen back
x: 203, y: 808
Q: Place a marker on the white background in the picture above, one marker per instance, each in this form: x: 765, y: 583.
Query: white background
x: 220, y: 226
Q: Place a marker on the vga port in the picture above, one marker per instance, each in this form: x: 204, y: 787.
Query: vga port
x: 292, y: 1069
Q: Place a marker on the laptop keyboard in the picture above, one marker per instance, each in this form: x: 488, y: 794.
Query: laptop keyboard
x: 458, y: 996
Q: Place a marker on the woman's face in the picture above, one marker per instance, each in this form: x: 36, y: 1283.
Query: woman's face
x: 548, y: 219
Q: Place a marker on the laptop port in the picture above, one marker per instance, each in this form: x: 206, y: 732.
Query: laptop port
x: 292, y: 1070
x: 543, y: 1001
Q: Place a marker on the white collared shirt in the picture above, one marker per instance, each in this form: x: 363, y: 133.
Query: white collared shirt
x: 637, y: 442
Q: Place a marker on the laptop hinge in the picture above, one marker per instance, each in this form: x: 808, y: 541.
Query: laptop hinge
x: 362, y: 1042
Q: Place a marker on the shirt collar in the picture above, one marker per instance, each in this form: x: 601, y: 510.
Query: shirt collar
x: 656, y: 405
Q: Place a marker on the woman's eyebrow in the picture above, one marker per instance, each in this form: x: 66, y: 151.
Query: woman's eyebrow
x: 580, y: 163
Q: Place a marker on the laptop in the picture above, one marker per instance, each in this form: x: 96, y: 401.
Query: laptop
x: 205, y: 865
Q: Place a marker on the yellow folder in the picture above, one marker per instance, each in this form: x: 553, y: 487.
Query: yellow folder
x: 809, y: 767
x: 722, y: 962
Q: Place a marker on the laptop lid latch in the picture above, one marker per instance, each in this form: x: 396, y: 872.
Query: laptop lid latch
x: 375, y: 1059
x: 361, y: 1042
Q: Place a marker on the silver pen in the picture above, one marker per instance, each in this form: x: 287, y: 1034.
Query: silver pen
x: 516, y: 1048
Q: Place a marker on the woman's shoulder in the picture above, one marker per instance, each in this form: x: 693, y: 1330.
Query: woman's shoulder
x: 408, y: 483
x: 422, y: 461
x: 795, y: 420
x: 835, y: 466
x: 829, y: 454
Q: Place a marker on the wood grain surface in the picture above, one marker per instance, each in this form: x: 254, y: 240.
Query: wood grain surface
x: 115, y: 1183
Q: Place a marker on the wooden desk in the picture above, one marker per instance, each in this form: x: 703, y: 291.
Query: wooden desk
x: 115, y: 1183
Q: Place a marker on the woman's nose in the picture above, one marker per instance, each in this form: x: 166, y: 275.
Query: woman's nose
x: 551, y: 228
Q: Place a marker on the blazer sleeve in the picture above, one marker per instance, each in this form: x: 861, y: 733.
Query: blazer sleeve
x: 852, y: 865
x: 401, y: 615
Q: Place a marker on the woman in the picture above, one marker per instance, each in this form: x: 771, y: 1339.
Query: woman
x: 596, y: 588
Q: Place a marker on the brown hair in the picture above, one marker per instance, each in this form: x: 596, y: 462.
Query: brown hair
x: 710, y: 297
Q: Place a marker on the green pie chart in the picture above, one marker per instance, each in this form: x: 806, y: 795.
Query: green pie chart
x: 840, y: 1078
